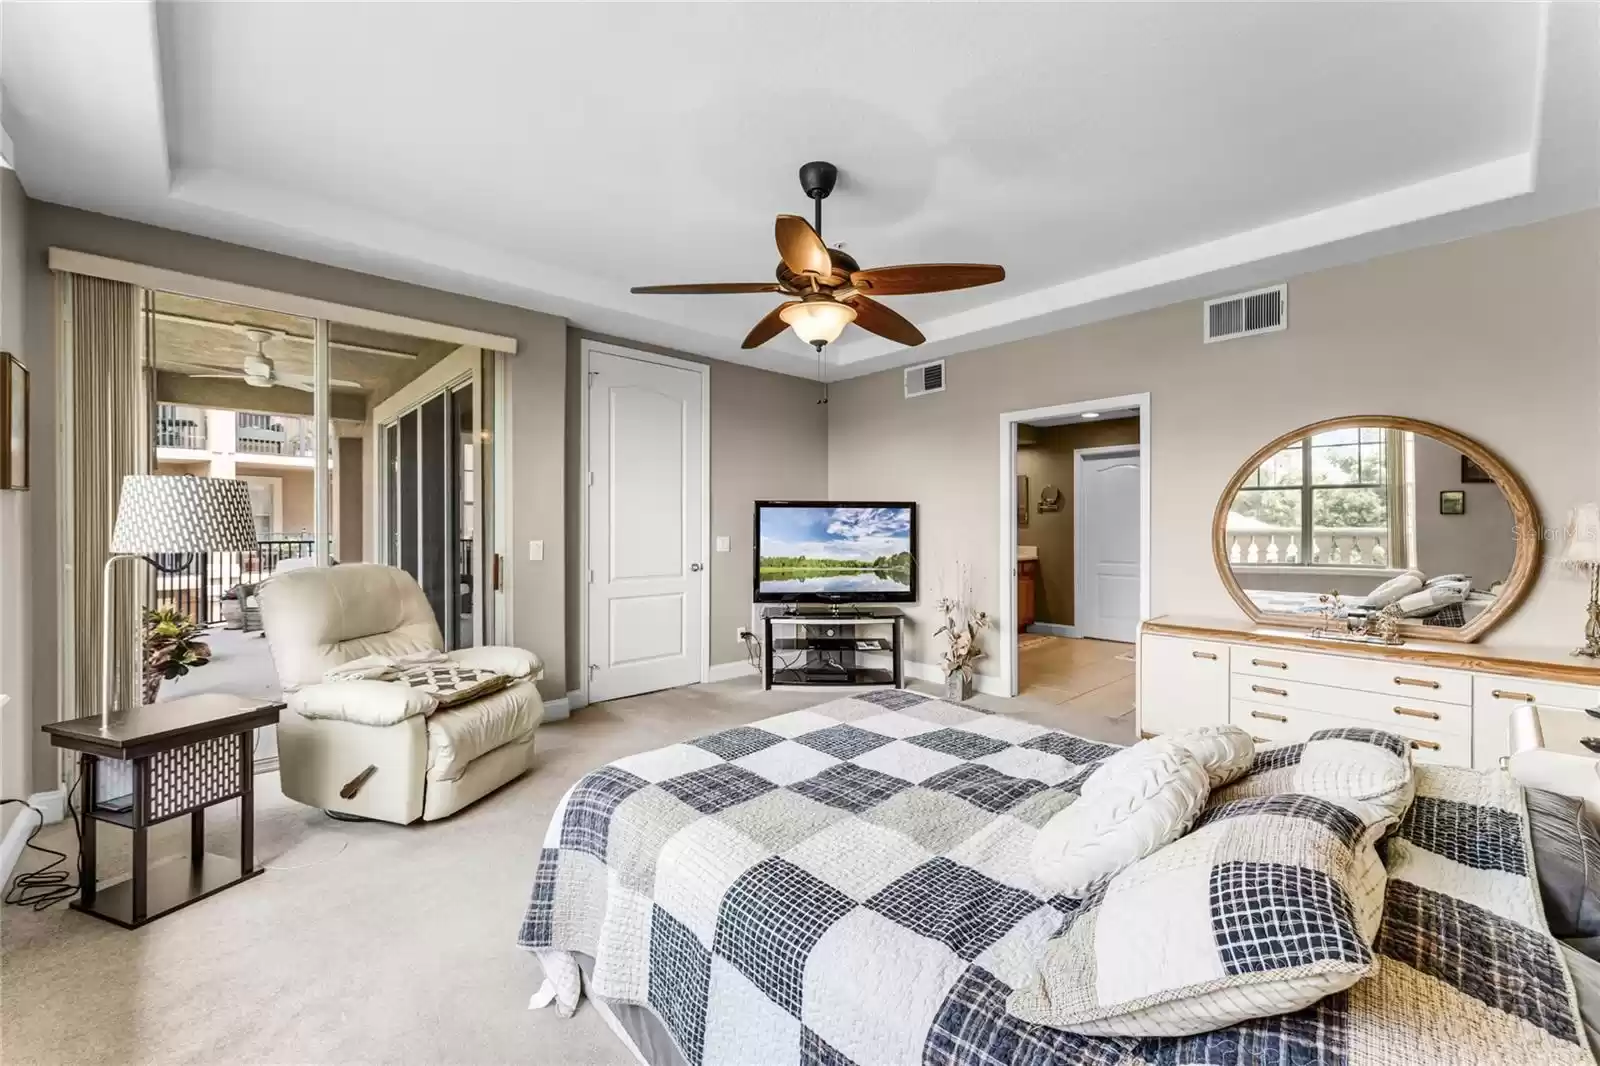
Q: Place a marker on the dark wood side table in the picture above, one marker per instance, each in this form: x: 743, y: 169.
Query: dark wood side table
x: 187, y: 754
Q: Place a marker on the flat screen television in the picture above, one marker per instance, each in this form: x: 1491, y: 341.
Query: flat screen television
x: 819, y: 552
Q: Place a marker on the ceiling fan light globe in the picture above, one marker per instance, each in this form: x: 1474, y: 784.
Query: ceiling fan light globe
x: 816, y: 321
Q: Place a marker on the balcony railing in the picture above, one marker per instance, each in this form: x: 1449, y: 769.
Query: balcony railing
x: 180, y: 427
x: 200, y: 585
x: 261, y: 434
x: 1353, y: 546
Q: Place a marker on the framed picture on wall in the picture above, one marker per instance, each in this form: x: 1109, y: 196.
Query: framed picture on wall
x: 1452, y: 501
x: 1472, y: 473
x: 14, y: 422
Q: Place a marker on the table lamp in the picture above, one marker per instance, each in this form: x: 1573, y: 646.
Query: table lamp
x: 180, y: 514
x: 1583, y: 553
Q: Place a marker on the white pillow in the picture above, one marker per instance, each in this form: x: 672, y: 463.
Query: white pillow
x: 1226, y: 752
x: 1157, y: 791
x: 1391, y: 590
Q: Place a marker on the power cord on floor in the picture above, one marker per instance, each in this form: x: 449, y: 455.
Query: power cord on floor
x: 45, y: 887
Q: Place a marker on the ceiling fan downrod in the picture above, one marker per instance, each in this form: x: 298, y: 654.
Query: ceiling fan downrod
x: 818, y: 179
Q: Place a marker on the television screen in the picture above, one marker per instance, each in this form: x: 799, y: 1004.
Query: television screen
x: 835, y: 552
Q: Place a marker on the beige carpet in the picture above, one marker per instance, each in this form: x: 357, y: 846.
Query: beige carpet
x: 365, y: 942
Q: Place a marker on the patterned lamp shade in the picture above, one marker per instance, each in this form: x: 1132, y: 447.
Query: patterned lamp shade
x: 1583, y: 537
x: 183, y: 513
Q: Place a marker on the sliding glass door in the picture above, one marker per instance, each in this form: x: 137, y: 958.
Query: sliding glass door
x: 433, y: 463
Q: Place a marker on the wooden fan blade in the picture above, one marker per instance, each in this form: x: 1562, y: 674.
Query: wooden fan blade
x: 874, y: 317
x: 767, y: 328
x: 925, y: 277
x: 801, y: 249
x: 695, y: 290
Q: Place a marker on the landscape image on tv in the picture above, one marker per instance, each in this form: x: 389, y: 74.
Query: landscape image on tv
x: 835, y: 550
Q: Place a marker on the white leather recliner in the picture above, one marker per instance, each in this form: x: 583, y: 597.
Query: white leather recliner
x: 430, y: 761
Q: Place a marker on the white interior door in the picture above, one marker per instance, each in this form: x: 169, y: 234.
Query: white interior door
x: 1107, y: 523
x: 646, y: 567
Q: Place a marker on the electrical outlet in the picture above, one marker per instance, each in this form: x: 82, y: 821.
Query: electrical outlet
x: 743, y: 633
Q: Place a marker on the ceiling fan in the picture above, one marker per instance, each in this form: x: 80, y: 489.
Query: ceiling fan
x: 830, y: 287
x: 261, y: 372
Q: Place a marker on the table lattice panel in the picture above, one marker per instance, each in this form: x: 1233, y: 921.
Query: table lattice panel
x: 193, y: 776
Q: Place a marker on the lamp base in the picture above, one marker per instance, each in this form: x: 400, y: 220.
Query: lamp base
x: 1591, y: 650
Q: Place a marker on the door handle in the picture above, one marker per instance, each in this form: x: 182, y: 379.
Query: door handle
x: 695, y: 568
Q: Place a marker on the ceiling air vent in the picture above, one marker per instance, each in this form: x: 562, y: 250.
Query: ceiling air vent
x: 1261, y: 311
x: 921, y: 380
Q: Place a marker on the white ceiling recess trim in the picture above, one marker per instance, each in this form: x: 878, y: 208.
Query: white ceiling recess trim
x: 1502, y: 179
x: 158, y: 278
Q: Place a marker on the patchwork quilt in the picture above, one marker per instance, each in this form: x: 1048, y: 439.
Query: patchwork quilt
x: 850, y: 884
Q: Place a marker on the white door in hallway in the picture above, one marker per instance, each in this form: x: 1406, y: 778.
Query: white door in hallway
x: 1107, y: 525
x: 646, y: 541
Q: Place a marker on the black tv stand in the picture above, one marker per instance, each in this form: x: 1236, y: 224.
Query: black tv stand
x: 828, y: 646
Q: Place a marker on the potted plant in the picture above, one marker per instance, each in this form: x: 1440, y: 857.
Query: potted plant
x: 171, y: 648
x: 960, y: 631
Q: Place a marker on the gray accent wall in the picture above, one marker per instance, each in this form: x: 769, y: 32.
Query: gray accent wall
x: 769, y: 440
x: 1496, y: 336
x: 17, y: 592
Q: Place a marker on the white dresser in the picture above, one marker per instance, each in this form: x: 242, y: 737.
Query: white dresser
x: 1453, y: 701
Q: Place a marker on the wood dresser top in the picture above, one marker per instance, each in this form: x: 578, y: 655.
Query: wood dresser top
x: 1545, y: 664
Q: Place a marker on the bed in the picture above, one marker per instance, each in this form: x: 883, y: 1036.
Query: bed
x: 851, y: 884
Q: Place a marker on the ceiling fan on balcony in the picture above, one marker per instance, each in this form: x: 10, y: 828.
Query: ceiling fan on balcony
x: 829, y: 287
x: 260, y: 371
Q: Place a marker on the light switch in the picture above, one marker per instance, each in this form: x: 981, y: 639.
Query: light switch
x: 535, y: 551
x: 722, y: 544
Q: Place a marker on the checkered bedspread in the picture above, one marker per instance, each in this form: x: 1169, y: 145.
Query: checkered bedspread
x: 850, y: 884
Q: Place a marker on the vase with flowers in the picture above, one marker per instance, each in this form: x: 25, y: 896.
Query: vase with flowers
x: 961, y: 629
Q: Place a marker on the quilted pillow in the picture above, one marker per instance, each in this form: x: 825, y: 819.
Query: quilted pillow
x: 1226, y: 752
x: 1154, y: 796
x: 1270, y: 904
x: 1367, y: 770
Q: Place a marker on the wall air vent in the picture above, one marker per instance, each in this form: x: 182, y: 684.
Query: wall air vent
x: 921, y: 380
x: 1260, y: 311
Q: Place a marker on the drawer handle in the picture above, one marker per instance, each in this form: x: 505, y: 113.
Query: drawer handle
x: 1430, y: 745
x: 1204, y: 654
x: 1269, y: 662
x: 1412, y: 712
x: 1520, y: 697
x: 1269, y: 716
x: 1260, y: 740
x: 1416, y: 682
x: 1269, y: 691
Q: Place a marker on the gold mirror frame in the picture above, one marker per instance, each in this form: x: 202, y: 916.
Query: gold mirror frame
x: 1517, y: 583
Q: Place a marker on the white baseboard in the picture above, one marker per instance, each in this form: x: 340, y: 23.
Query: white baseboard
x: 988, y: 685
x: 577, y: 700
x: 729, y: 671
x: 1053, y: 629
x: 555, y: 710
x: 265, y: 766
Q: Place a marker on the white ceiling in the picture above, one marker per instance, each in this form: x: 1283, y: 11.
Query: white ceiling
x: 1112, y: 157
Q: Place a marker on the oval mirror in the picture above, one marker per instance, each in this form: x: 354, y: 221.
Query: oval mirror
x: 1338, y: 520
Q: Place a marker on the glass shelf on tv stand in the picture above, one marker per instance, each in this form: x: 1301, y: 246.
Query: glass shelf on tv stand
x: 814, y: 651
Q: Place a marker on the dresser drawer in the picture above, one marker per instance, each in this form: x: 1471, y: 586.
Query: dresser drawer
x: 1366, y: 675
x: 1393, y: 713
x: 1270, y: 723
x: 1182, y: 683
x: 1561, y: 714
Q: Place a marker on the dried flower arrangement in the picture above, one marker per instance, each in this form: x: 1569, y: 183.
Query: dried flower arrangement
x: 961, y: 627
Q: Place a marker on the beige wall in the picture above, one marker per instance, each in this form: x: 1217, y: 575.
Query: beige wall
x: 769, y: 440
x: 350, y: 487
x: 1049, y: 461
x: 1495, y: 336
x: 17, y: 590
x: 535, y: 391
x: 1482, y: 542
